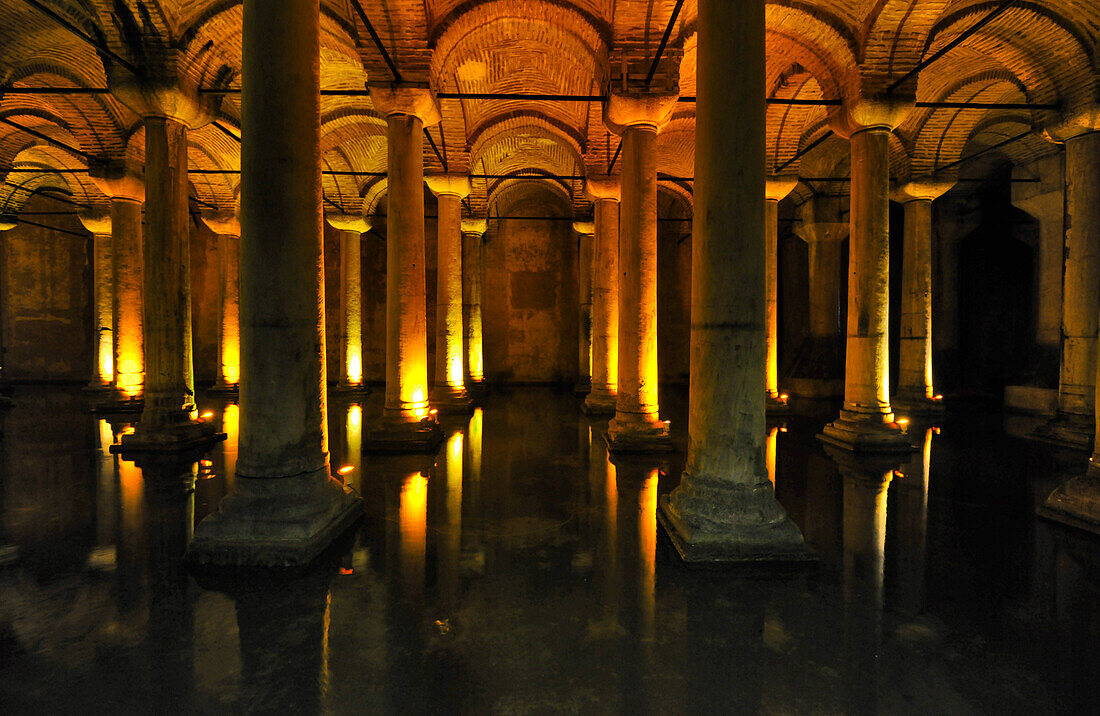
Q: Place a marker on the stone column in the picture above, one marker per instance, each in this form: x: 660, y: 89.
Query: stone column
x: 915, y: 394
x: 351, y: 228
x: 818, y: 372
x: 7, y: 223
x: 637, y: 425
x: 605, y: 193
x: 724, y: 509
x: 585, y: 231
x: 866, y: 420
x: 227, y: 232
x: 98, y: 225
x: 1073, y: 423
x: 285, y: 507
x: 166, y: 422
x: 407, y: 423
x: 449, y: 392
x: 472, y: 232
x: 776, y: 188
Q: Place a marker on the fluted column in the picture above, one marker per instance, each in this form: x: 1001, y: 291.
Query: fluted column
x: 98, y: 225
x: 407, y: 423
x: 724, y: 509
x: 285, y: 507
x: 351, y: 228
x: 585, y: 231
x: 227, y: 233
x: 916, y: 395
x: 473, y: 231
x: 1073, y: 424
x: 866, y: 420
x: 449, y: 391
x: 776, y: 189
x: 605, y: 194
x: 637, y: 425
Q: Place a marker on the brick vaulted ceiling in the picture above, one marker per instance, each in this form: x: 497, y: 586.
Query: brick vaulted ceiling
x: 1033, y: 52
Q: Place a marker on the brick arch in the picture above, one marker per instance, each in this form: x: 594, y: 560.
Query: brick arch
x: 786, y: 124
x: 341, y: 190
x: 209, y: 148
x: 676, y: 146
x: 505, y: 191
x: 892, y: 40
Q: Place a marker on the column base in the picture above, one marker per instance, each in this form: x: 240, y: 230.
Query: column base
x: 865, y: 435
x: 1067, y: 430
x: 600, y: 402
x: 776, y: 404
x: 174, y: 437
x: 449, y: 400
x: 582, y: 387
x: 1076, y: 503
x: 275, y: 522
x: 477, y: 390
x: 389, y: 435
x: 635, y: 432
x: 917, y: 406
x: 350, y: 389
x: 734, y: 524
x: 117, y: 403
x: 98, y: 389
x: 227, y: 389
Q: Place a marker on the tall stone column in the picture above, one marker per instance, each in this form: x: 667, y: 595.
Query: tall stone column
x: 449, y: 392
x: 724, y: 509
x: 603, y: 395
x: 776, y: 189
x: 473, y: 231
x: 407, y: 423
x: 1073, y: 425
x: 637, y: 425
x: 285, y: 507
x: 166, y: 422
x: 227, y: 232
x: 866, y: 420
x: 351, y: 229
x: 915, y: 395
x: 7, y: 223
x: 585, y: 231
x: 98, y: 225
x: 818, y: 371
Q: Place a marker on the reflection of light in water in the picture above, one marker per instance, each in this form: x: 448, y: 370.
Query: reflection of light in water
x: 106, y: 493
x: 413, y: 523
x: 353, y: 426
x: 927, y: 455
x: 231, y: 423
x: 454, y: 478
x: 647, y: 544
x: 106, y: 436
x: 476, y: 426
x: 131, y: 493
x: 326, y: 620
x: 769, y: 455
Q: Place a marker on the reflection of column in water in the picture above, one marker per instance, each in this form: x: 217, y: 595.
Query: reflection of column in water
x: 770, y: 452
x: 908, y: 522
x: 353, y: 427
x: 451, y: 544
x: 106, y: 495
x: 647, y: 553
x: 604, y: 488
x: 412, y: 522
x: 129, y: 551
x: 231, y: 424
x: 473, y: 551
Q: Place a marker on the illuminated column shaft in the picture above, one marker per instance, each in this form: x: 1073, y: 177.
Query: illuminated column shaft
x: 724, y: 509
x: 350, y: 228
x: 585, y: 230
x: 449, y: 392
x: 824, y: 260
x: 169, y: 377
x: 776, y: 189
x: 472, y: 232
x: 129, y: 297
x: 103, y: 371
x: 605, y: 297
x: 915, y: 391
x: 227, y: 233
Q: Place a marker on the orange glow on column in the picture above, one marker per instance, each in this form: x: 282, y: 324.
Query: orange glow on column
x: 770, y: 453
x: 355, y: 367
x: 418, y: 401
x: 231, y: 367
x: 130, y: 378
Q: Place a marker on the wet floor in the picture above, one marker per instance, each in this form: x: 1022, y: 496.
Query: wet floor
x: 519, y: 571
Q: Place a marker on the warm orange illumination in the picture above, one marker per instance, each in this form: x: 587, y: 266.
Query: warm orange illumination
x: 354, y: 433
x: 346, y: 470
x: 937, y: 397
x: 770, y: 453
x: 106, y: 436
x: 784, y: 397
x: 647, y: 543
x: 347, y: 570
x: 419, y: 401
x: 207, y: 415
x: 206, y: 463
x: 231, y: 423
x: 106, y: 360
x: 355, y: 367
x: 129, y: 378
x: 413, y: 525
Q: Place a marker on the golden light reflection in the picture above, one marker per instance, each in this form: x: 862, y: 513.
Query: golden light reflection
x: 353, y: 426
x: 106, y: 436
x: 355, y: 366
x: 131, y: 497
x: 129, y: 378
x: 231, y: 423
x: 413, y: 523
x: 454, y: 367
x: 770, y: 453
x: 419, y: 401
x: 647, y: 543
x: 477, y: 367
x: 476, y: 427
x: 106, y: 360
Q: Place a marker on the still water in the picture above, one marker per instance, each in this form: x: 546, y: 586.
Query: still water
x: 519, y: 570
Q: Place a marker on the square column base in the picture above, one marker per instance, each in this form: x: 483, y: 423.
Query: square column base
x: 350, y: 389
x: 731, y: 537
x: 1076, y: 503
x: 390, y: 435
x: 275, y: 522
x: 917, y: 406
x: 774, y: 405
x: 175, y: 437
x: 865, y: 436
x: 1067, y: 430
x: 117, y: 403
x: 451, y: 401
x: 635, y: 433
x: 224, y: 389
x: 600, y: 402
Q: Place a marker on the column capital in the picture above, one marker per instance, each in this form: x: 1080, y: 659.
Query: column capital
x: 448, y: 184
x: 777, y: 187
x: 649, y: 109
x: 883, y: 113
x: 585, y: 228
x: 416, y: 99
x: 348, y: 222
x: 475, y: 226
x: 604, y: 187
x: 1074, y: 123
x: 8, y: 222
x: 168, y: 90
x: 119, y: 183
x: 96, y: 221
x: 921, y: 190
x: 222, y: 223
